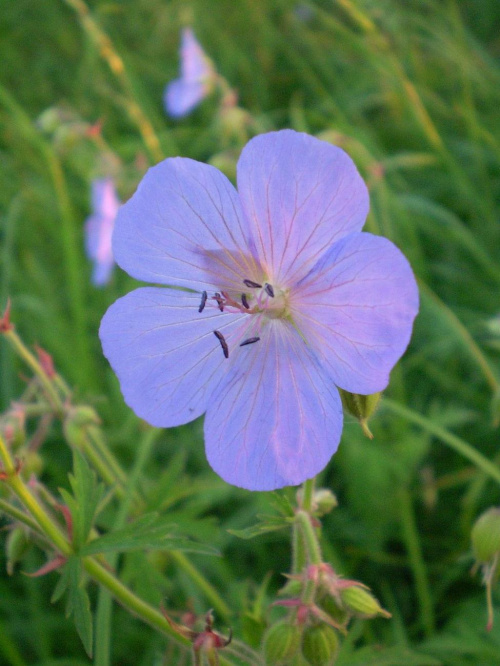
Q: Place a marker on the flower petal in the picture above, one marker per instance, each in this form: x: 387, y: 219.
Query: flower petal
x: 276, y: 419
x: 182, y: 96
x: 165, y: 353
x: 195, y: 64
x: 356, y: 310
x: 299, y: 195
x: 183, y: 226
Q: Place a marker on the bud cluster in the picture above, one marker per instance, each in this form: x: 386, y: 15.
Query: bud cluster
x: 310, y: 633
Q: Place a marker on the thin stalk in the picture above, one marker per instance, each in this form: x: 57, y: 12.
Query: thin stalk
x: 417, y: 563
x: 310, y: 537
x: 117, y: 67
x: 30, y: 360
x: 469, y: 342
x: 47, y: 525
x: 459, y: 445
x: 202, y: 583
x: 19, y: 515
x: 94, y: 568
x: 104, y: 604
x: 308, y: 494
x: 72, y: 258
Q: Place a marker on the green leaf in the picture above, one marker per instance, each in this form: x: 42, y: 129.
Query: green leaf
x: 77, y: 603
x: 149, y: 532
x: 87, y: 493
x: 266, y: 524
x: 62, y: 585
x: 282, y: 503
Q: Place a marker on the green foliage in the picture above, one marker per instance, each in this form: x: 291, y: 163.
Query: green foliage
x: 72, y: 583
x: 411, y: 90
x: 149, y: 532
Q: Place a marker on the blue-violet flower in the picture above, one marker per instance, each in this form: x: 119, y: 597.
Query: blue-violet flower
x: 99, y: 229
x: 288, y: 300
x: 196, y: 80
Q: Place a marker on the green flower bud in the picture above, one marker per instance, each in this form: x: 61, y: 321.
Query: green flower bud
x: 485, y: 535
x: 361, y: 406
x: 83, y: 415
x: 320, y: 645
x: 324, y: 501
x: 281, y: 643
x: 331, y: 607
x: 361, y: 603
x: 17, y: 544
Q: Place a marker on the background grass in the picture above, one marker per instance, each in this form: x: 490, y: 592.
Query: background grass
x: 412, y: 91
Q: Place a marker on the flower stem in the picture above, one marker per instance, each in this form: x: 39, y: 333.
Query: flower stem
x: 310, y: 537
x: 30, y: 360
x: 19, y: 515
x: 47, y: 525
x: 94, y: 568
x: 417, y: 563
x: 117, y: 67
x: 308, y: 493
x: 459, y: 445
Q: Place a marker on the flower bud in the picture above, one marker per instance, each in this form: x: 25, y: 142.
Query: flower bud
x: 320, y: 645
x: 361, y: 603
x: 83, y: 415
x: 324, y: 501
x: 281, y: 643
x: 485, y: 535
x: 331, y: 607
x: 361, y: 406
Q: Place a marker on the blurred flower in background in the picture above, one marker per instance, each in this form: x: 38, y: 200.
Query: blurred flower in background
x: 196, y: 81
x: 99, y: 229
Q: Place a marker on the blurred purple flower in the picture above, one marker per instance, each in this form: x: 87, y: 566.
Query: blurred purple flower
x: 289, y: 301
x: 196, y: 80
x: 99, y: 229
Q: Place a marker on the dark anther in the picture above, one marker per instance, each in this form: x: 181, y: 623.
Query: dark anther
x: 219, y: 300
x: 249, y: 341
x: 203, y: 301
x: 269, y: 289
x: 223, y: 343
x: 244, y: 301
x: 252, y: 284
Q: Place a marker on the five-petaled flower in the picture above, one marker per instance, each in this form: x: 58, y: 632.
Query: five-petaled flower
x: 289, y: 300
x: 99, y: 229
x: 196, y: 81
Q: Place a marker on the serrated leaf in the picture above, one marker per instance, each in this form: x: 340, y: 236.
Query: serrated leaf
x: 266, y: 524
x: 62, y: 585
x: 77, y: 602
x: 149, y: 532
x: 87, y: 493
